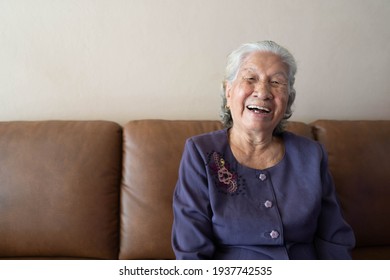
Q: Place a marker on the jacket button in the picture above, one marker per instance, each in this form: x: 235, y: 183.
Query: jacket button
x: 268, y: 204
x: 274, y: 234
x: 262, y: 177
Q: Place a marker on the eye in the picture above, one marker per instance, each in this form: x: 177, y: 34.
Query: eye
x: 277, y: 83
x: 250, y: 79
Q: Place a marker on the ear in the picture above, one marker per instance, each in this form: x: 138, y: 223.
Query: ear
x: 228, y: 88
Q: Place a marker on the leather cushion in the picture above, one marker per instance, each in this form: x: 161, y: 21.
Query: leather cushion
x: 152, y: 153
x: 59, y: 189
x: 359, y: 161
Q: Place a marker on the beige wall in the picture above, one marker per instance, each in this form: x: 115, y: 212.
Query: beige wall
x: 133, y: 59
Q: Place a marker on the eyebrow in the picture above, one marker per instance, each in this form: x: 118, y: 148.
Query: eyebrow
x: 285, y: 75
x: 249, y: 68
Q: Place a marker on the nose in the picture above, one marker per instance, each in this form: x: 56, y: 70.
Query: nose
x: 262, y: 90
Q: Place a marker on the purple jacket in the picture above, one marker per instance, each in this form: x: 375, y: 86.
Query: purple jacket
x: 224, y: 210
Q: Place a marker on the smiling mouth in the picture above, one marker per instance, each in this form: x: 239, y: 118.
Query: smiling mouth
x: 258, y: 109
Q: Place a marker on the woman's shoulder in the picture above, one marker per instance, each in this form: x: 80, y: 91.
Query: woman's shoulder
x: 210, y: 140
x: 301, y: 144
x: 217, y: 135
x: 304, y: 153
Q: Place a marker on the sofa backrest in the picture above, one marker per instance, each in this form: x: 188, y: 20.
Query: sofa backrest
x: 359, y: 160
x: 152, y: 153
x: 59, y: 189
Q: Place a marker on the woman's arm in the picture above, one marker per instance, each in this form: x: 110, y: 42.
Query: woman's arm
x: 335, y: 238
x: 192, y: 234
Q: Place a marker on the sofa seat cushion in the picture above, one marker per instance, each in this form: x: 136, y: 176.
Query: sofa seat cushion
x: 360, y: 164
x: 59, y: 189
x: 152, y: 153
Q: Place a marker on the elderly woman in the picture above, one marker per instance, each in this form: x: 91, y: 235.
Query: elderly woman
x: 253, y: 190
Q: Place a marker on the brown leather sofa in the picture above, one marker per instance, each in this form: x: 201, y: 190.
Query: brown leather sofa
x: 98, y: 190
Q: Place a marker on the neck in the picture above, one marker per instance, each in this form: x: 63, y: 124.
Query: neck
x: 251, y: 141
x: 256, y: 150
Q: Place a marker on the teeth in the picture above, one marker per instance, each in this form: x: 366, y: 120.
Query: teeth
x: 258, y: 108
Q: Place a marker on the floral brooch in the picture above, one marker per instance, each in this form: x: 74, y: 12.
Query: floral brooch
x: 227, y: 180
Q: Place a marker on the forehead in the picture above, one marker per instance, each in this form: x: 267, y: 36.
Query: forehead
x: 264, y: 62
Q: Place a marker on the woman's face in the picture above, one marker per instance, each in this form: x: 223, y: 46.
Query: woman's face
x: 258, y: 96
